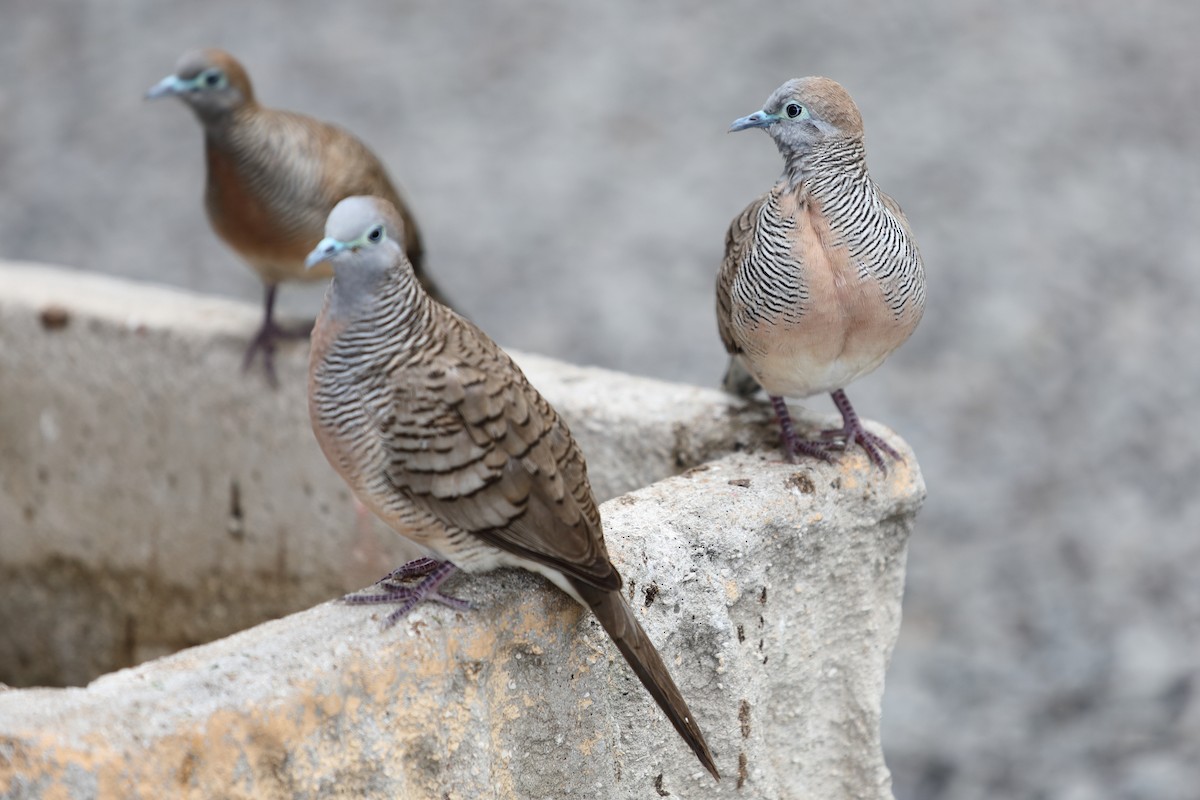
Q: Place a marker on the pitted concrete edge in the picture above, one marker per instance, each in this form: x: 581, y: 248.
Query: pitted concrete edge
x: 772, y: 590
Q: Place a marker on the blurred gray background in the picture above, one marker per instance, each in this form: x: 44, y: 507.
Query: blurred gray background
x: 570, y: 167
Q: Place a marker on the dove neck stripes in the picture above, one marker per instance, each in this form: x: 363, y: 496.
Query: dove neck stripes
x: 833, y: 177
x: 832, y: 163
x: 379, y: 317
x: 245, y: 159
x: 373, y: 324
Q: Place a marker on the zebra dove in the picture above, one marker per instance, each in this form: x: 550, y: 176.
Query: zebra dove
x: 273, y: 177
x: 821, y: 279
x: 439, y: 433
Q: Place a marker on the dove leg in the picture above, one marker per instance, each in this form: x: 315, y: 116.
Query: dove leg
x: 264, y: 340
x: 852, y: 430
x: 416, y: 568
x: 268, y: 334
x: 435, y: 572
x: 793, y: 445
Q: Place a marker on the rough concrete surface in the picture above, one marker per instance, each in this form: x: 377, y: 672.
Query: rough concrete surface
x: 570, y: 166
x: 152, y: 496
x: 773, y: 591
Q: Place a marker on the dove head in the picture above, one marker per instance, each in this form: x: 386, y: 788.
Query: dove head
x: 211, y: 81
x: 805, y: 113
x: 363, y: 242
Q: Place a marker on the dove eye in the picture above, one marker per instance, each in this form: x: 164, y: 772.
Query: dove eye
x: 375, y: 234
x: 794, y: 110
x: 213, y: 78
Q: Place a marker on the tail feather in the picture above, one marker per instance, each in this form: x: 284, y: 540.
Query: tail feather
x: 616, y: 616
x: 738, y: 380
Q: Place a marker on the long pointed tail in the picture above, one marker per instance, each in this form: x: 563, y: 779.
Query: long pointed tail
x: 617, y: 618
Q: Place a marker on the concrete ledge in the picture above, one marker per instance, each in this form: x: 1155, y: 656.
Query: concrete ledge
x: 772, y: 590
x: 153, y: 497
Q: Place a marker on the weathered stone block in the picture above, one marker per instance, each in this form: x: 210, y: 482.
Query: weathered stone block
x: 772, y: 590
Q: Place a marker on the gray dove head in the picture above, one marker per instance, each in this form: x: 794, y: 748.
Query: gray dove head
x: 363, y: 240
x: 805, y: 112
x: 211, y: 81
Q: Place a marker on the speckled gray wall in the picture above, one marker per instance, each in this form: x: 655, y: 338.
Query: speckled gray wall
x: 570, y: 166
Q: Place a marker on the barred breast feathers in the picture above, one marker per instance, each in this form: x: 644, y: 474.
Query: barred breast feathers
x: 863, y: 220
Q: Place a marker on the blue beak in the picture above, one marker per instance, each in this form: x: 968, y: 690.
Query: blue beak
x: 167, y: 86
x: 759, y: 119
x: 326, y: 249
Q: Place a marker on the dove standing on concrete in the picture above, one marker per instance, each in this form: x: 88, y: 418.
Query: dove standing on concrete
x: 439, y: 433
x: 822, y: 279
x: 273, y: 177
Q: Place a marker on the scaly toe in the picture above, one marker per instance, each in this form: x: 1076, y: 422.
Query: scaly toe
x: 875, y: 448
x: 456, y: 603
x: 408, y: 597
x: 400, y: 613
x: 806, y: 447
x: 814, y: 450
